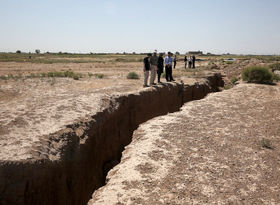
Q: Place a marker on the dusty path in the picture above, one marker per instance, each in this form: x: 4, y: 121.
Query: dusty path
x: 211, y: 152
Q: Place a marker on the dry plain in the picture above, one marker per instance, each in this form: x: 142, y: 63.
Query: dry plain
x: 33, y: 105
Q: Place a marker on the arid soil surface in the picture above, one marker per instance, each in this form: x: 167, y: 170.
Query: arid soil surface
x: 211, y: 152
x: 223, y: 149
x: 31, y: 108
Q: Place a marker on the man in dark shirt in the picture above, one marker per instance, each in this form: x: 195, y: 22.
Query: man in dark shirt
x: 186, y: 61
x: 146, y: 69
x: 160, y: 66
x: 193, y: 61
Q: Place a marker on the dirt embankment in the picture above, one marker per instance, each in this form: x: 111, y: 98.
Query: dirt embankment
x: 86, y: 150
x: 223, y: 149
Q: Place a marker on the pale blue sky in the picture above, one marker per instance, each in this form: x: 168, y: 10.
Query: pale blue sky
x: 217, y: 26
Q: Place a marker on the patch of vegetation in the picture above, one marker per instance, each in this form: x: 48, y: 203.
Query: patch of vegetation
x: 267, y: 59
x: 120, y: 60
x: 64, y: 57
x: 227, y: 87
x: 76, y: 77
x: 3, y: 77
x: 234, y: 80
x: 132, y: 75
x: 275, y: 66
x: 229, y: 62
x: 55, y: 74
x: 266, y: 143
x: 65, y: 74
x: 11, y: 76
x: 99, y: 75
x: 163, y: 75
x: 257, y: 74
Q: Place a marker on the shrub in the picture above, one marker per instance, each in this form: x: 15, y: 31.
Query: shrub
x: 69, y: 74
x: 275, y: 66
x: 257, y: 74
x: 76, y: 77
x: 234, y: 80
x: 266, y: 143
x: 132, y: 75
x: 163, y: 75
x: 50, y: 74
x: 18, y: 51
x: 3, y: 77
x: 99, y: 75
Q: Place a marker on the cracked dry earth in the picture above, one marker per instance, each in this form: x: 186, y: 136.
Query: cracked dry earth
x: 210, y: 152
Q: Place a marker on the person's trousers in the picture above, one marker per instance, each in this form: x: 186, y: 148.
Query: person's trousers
x: 175, y: 63
x: 159, y: 72
x: 193, y: 64
x: 168, y: 73
x: 153, y: 74
x: 146, y: 76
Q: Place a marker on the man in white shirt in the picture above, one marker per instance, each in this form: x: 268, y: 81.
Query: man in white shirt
x: 168, y: 67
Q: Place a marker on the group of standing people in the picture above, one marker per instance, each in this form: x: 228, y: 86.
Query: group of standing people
x: 190, y: 61
x: 154, y: 64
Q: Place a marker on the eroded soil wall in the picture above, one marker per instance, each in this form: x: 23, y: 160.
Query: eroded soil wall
x: 92, y: 147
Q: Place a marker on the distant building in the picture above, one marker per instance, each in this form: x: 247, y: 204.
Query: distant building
x: 195, y: 53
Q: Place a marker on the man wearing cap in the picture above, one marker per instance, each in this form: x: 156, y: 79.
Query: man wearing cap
x: 146, y: 69
x: 154, y: 63
x: 168, y: 67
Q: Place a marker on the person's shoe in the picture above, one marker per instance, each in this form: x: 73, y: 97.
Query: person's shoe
x: 145, y: 86
x: 153, y: 84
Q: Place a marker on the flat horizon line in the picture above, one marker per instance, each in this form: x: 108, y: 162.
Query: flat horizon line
x: 133, y: 53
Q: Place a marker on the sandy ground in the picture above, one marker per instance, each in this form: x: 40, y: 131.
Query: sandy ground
x: 211, y: 152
